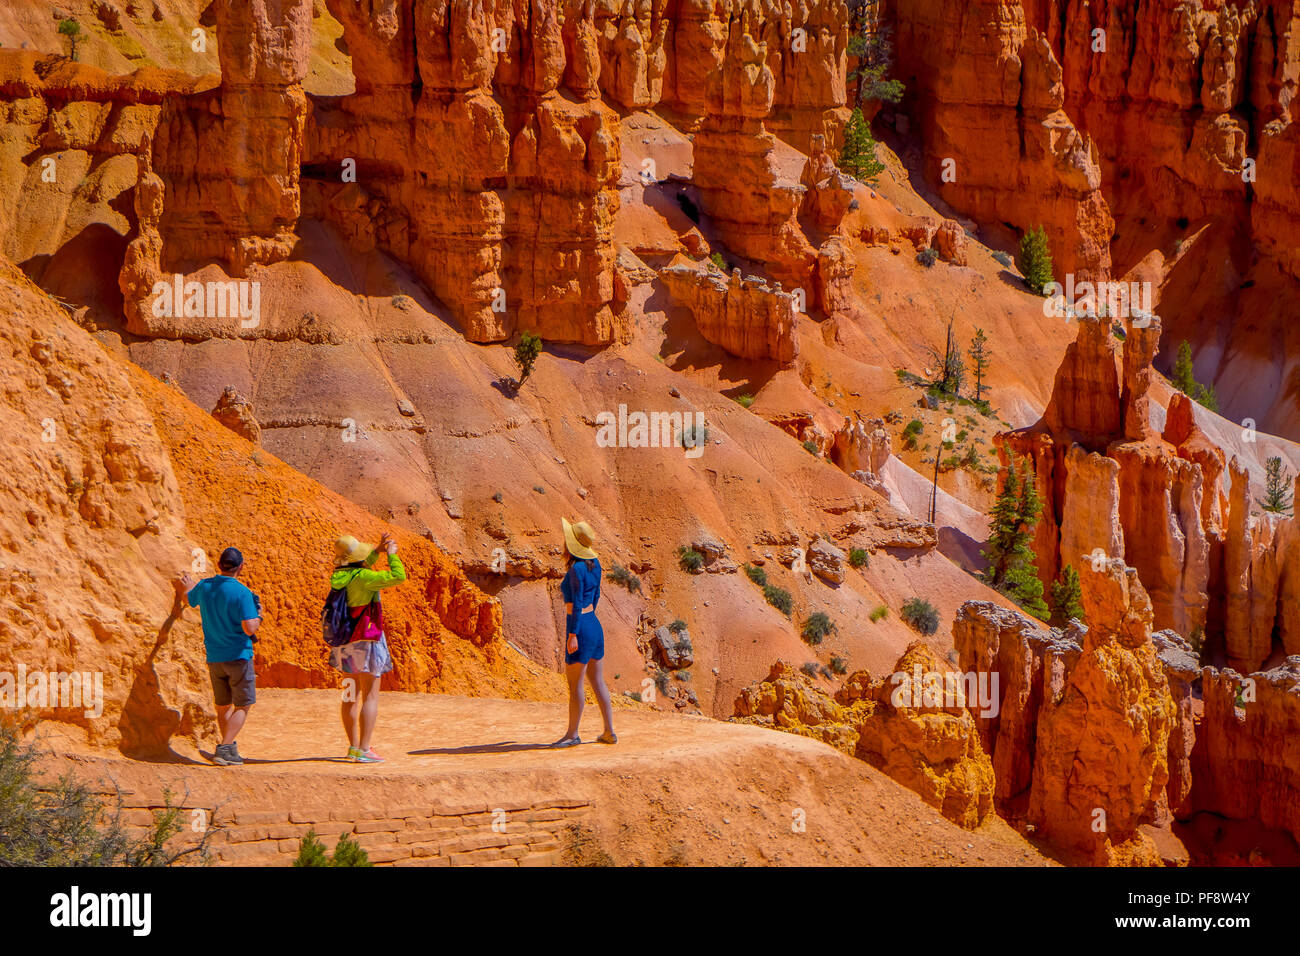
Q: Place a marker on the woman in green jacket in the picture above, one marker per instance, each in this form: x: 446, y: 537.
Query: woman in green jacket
x: 365, y: 656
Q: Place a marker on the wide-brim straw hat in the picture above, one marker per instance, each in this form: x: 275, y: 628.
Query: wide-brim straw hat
x: 348, y: 550
x: 579, y: 538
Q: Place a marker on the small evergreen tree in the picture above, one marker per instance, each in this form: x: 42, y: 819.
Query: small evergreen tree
x: 526, y: 352
x: 1067, y: 597
x: 979, y: 357
x: 858, y: 157
x: 1036, y: 260
x: 347, y: 852
x: 72, y: 30
x: 1004, y: 523
x: 1277, y: 492
x: 1183, y: 378
x: 873, y: 45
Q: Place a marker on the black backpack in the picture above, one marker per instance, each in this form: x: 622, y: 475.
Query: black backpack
x: 336, y: 621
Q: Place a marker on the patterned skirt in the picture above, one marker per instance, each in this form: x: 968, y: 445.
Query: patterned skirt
x: 362, y: 657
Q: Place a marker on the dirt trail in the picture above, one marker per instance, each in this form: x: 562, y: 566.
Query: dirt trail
x: 675, y: 789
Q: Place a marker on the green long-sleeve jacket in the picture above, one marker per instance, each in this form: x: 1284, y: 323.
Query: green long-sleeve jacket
x: 362, y: 584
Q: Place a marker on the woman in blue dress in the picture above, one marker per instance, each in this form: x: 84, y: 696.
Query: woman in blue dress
x: 584, y: 638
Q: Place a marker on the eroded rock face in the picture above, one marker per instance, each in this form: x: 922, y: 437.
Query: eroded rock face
x: 1114, y: 487
x: 928, y: 743
x: 236, y: 413
x: 991, y: 101
x: 1087, y: 720
x: 747, y: 317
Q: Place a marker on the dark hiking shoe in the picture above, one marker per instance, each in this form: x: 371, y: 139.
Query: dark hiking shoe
x: 227, y: 755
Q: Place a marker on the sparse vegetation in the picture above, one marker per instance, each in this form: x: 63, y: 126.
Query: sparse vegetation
x: 695, y: 436
x: 1277, y: 488
x: 1012, y: 568
x: 873, y: 47
x: 677, y: 626
x: 622, y: 576
x: 839, y: 665
x: 71, y: 29
x: 910, y: 433
x: 718, y: 262
x: 952, y: 370
x: 979, y: 359
x: 61, y: 822
x: 858, y: 156
x: 745, y: 401
x: 1183, y: 378
x: 525, y: 355
x: 1036, y: 260
x: 810, y: 447
x: 1067, y: 597
x: 779, y: 598
x: 817, y: 627
x: 692, y: 561
x: 347, y: 852
x: 1003, y: 259
x: 810, y: 668
x: 858, y: 558
x: 879, y: 613
x: 756, y: 574
x: 921, y: 615
x: 928, y: 257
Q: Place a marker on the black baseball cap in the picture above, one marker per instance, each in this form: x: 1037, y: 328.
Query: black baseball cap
x: 230, y: 560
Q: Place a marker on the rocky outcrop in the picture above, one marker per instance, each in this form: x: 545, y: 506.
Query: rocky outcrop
x: 862, y: 445
x: 927, y: 741
x: 1115, y: 487
x: 745, y: 316
x: 672, y: 648
x: 236, y: 413
x: 999, y: 145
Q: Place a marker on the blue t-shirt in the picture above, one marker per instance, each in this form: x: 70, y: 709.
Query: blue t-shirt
x: 224, y: 604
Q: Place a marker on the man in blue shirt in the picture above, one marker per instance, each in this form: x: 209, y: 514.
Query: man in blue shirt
x: 231, y: 615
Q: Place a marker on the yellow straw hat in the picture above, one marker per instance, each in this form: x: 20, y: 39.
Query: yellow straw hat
x: 578, y: 538
x: 348, y: 550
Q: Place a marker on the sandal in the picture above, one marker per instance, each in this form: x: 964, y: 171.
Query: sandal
x: 567, y: 742
x: 609, y: 738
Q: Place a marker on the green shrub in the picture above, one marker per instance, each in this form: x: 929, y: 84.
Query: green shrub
x: 839, y: 665
x: 718, y: 262
x: 810, y: 447
x: 1003, y: 259
x: 745, y: 401
x: 525, y: 355
x: 858, y: 558
x: 911, y: 431
x: 690, y: 559
x: 921, y: 615
x: 61, y: 822
x: 779, y: 598
x: 756, y: 574
x: 927, y: 257
x: 1036, y: 260
x: 810, y: 668
x: 817, y: 627
x: 347, y: 852
x: 621, y: 575
x: 677, y: 626
x: 858, y: 157
x: 879, y: 613
x: 695, y: 436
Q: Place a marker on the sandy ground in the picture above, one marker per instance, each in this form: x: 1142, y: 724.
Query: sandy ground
x: 675, y: 789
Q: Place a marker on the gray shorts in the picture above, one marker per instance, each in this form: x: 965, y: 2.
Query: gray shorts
x: 233, y: 682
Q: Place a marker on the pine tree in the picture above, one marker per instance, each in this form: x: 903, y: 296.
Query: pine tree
x: 858, y: 157
x: 1067, y: 597
x: 1036, y: 260
x: 526, y: 352
x: 1022, y: 582
x: 1004, y: 522
x: 1183, y: 376
x: 1277, y: 494
x: 872, y: 44
x: 979, y: 357
x: 72, y: 30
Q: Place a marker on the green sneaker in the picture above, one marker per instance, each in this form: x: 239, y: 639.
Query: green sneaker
x: 354, y: 754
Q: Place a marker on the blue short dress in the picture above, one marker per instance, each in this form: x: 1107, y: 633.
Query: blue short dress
x: 581, y: 588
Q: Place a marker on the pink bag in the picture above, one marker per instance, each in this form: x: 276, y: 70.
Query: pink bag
x: 369, y: 622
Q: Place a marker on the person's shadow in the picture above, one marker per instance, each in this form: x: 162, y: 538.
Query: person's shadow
x: 250, y: 761
x: 501, y: 747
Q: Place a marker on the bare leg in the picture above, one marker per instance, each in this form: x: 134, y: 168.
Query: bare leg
x: 223, y: 715
x: 234, y: 722
x: 577, y: 698
x: 368, y: 686
x: 596, y: 677
x: 349, y: 709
